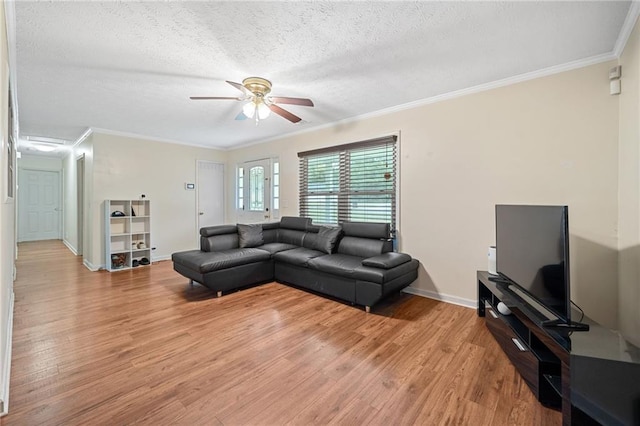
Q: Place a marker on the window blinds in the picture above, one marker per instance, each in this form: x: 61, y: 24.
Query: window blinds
x: 353, y: 182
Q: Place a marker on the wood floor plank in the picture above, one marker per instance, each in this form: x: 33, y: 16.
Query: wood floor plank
x: 143, y: 346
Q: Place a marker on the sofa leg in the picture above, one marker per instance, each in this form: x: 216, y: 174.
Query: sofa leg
x: 367, y: 309
x: 190, y: 283
x: 219, y: 294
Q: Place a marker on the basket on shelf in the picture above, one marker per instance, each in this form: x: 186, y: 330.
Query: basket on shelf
x: 118, y: 260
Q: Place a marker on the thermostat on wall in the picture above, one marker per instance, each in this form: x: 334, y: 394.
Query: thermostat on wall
x: 189, y: 186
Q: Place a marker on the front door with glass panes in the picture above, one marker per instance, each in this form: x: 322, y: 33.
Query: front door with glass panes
x: 254, y: 191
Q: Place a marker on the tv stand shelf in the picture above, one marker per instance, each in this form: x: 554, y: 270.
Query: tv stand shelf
x: 533, y: 359
x: 593, y: 376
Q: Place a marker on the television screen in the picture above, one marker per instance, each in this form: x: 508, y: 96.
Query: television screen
x: 532, y: 251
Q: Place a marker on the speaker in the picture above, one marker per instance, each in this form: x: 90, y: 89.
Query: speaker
x: 504, y: 309
x: 492, y: 260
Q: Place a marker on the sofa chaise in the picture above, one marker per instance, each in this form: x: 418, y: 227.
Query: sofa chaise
x: 353, y: 262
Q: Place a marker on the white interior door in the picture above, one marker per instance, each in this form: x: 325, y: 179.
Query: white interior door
x: 210, y: 188
x: 256, y: 191
x: 39, y: 205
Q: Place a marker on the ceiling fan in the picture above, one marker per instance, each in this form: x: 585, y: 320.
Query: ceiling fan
x: 255, y: 90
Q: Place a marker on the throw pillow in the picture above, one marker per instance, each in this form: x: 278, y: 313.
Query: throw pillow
x: 250, y: 235
x: 327, y: 238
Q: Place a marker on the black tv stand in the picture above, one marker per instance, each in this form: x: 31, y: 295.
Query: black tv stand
x: 563, y: 325
x: 594, y: 375
x: 498, y: 279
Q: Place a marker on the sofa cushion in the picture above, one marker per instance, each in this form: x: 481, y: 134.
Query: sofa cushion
x: 250, y: 235
x: 299, y: 256
x: 366, y: 230
x: 387, y: 260
x: 363, y: 247
x: 291, y: 236
x: 383, y: 276
x: 327, y: 238
x: 204, y: 262
x: 310, y: 238
x: 270, y: 232
x: 297, y: 223
x: 342, y: 265
x: 274, y: 248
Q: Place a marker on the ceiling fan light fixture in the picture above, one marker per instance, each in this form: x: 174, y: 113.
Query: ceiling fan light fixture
x: 249, y: 109
x: 263, y: 110
x: 44, y: 148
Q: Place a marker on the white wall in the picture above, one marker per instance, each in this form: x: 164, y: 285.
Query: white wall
x: 629, y: 190
x: 7, y: 223
x: 118, y: 167
x: 551, y: 140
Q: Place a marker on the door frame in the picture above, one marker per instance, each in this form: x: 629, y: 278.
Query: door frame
x: 197, y: 192
x: 80, y: 184
x: 60, y: 199
x: 269, y: 177
x: 271, y: 200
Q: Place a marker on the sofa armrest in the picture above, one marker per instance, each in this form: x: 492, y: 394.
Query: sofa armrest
x: 386, y: 260
x: 210, y: 231
x: 218, y: 238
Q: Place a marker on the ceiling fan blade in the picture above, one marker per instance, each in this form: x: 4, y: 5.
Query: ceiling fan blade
x: 241, y: 116
x: 200, y: 98
x: 292, y: 101
x: 284, y: 113
x: 240, y: 87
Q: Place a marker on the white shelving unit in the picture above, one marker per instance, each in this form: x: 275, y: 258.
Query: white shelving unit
x: 127, y: 235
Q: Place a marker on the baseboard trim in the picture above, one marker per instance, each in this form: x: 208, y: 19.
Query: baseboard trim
x: 70, y: 247
x: 161, y: 258
x: 90, y: 266
x: 6, y: 371
x: 454, y: 300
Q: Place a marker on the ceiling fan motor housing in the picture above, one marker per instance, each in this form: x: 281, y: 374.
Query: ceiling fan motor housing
x: 258, y: 86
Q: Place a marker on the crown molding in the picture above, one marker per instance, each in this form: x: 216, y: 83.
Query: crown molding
x: 627, y: 28
x: 556, y: 69
x: 149, y: 138
x: 82, y: 137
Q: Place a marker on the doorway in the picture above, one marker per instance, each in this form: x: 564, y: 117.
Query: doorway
x: 39, y: 205
x: 210, y: 199
x: 254, y: 191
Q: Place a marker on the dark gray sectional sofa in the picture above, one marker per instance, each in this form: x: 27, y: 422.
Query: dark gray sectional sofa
x: 353, y: 262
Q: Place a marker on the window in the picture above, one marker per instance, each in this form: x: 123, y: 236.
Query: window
x: 353, y: 182
x: 256, y: 188
x: 276, y: 189
x: 10, y: 150
x: 240, y: 188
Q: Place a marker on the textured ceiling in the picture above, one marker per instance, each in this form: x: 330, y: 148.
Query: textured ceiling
x: 131, y: 66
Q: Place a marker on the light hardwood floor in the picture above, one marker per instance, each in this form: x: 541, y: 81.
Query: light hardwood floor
x: 144, y: 347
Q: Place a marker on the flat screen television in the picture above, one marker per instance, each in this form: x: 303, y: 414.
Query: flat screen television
x: 532, y: 255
